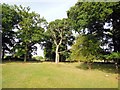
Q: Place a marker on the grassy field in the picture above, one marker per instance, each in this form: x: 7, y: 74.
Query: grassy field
x: 62, y: 75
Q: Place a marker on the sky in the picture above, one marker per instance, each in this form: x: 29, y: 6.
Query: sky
x: 49, y: 9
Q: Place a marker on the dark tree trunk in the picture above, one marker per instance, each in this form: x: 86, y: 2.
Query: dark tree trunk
x: 116, y: 66
x: 3, y: 54
x: 115, y: 44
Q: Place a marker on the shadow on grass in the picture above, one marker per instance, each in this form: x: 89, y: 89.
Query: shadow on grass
x: 21, y: 61
x: 105, y: 67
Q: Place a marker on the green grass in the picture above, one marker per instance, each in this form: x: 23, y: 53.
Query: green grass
x: 51, y: 75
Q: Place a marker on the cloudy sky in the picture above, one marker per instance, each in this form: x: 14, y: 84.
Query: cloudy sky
x: 49, y: 9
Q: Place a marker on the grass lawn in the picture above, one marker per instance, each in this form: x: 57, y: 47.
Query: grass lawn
x: 62, y: 75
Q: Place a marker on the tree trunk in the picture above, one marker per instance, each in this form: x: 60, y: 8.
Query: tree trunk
x: 89, y: 65
x: 25, y: 56
x: 57, y: 54
x: 114, y: 43
x: 3, y: 53
x: 116, y: 66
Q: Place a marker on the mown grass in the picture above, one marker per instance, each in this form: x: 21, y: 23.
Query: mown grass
x: 51, y: 75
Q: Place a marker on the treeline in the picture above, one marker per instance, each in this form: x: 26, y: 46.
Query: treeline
x: 97, y: 25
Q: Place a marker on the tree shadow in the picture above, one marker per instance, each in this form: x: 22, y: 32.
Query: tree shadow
x: 20, y: 61
x: 105, y: 67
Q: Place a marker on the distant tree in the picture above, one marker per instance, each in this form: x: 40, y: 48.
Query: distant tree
x: 86, y: 49
x: 10, y: 18
x: 30, y: 31
x: 61, y: 34
x: 48, y: 46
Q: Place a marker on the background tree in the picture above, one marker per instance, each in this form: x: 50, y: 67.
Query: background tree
x: 61, y: 32
x: 1, y: 31
x: 30, y: 31
x: 48, y: 46
x: 10, y: 18
x: 86, y: 48
x: 98, y: 18
x: 93, y: 16
x: 115, y: 56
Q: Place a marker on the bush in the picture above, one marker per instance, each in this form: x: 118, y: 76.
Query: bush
x: 39, y: 58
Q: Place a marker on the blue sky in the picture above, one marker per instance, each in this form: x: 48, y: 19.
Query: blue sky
x: 49, y: 9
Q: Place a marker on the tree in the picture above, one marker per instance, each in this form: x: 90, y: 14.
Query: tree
x: 10, y: 18
x: 48, y: 46
x: 61, y: 32
x: 93, y: 16
x: 30, y: 31
x: 114, y: 22
x: 86, y: 48
x: 114, y: 56
x: 1, y: 42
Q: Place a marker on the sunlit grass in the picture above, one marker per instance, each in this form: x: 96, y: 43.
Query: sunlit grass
x: 51, y: 75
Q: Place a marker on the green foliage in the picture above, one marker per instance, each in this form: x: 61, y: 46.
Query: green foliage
x: 39, y: 58
x: 59, y: 34
x: 49, y: 48
x: 93, y: 16
x: 30, y: 31
x: 113, y: 56
x: 85, y: 13
x: 90, y: 16
x: 60, y: 29
x: 10, y: 18
x: 86, y: 48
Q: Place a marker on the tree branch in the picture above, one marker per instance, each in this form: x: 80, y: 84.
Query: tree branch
x: 61, y: 38
x: 63, y: 51
x: 54, y: 36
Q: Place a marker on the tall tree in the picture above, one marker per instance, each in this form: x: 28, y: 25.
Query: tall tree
x: 93, y: 16
x: 86, y: 48
x: 49, y: 46
x: 61, y: 32
x: 10, y: 18
x: 1, y: 42
x: 114, y: 22
x: 30, y: 30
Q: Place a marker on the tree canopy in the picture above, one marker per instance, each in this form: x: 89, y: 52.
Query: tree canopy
x: 10, y: 18
x: 30, y: 31
x: 61, y: 34
x: 98, y: 19
x: 94, y: 16
x: 86, y: 48
x: 21, y: 30
x: 97, y: 23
